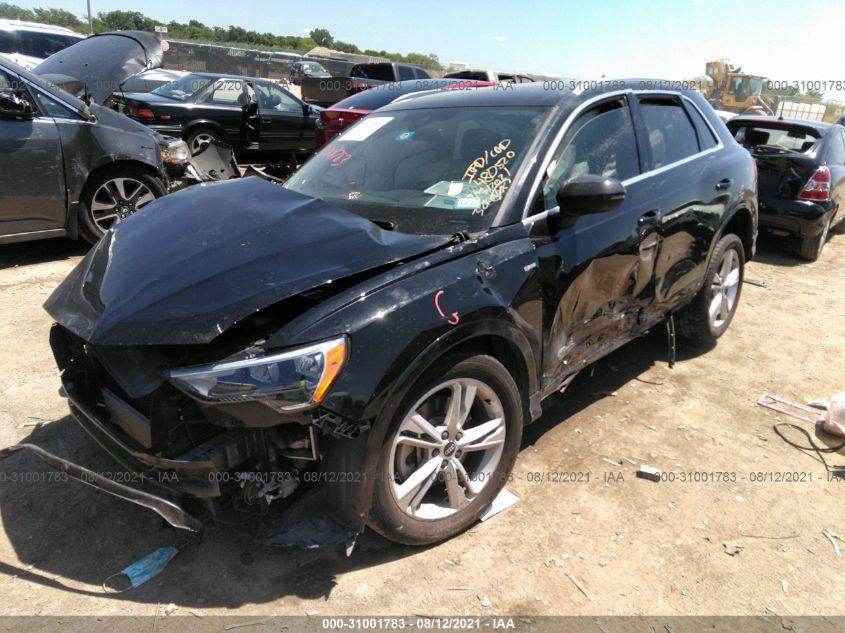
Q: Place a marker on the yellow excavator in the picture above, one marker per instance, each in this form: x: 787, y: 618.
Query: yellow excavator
x: 728, y: 88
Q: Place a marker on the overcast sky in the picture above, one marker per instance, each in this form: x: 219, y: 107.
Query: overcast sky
x: 781, y: 39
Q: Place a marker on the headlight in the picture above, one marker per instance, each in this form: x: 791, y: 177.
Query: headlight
x: 175, y: 152
x: 286, y: 382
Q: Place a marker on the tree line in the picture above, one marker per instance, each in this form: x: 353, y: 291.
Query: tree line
x: 199, y: 32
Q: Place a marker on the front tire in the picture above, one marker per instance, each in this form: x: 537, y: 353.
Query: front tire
x: 449, y: 451
x: 710, y: 313
x: 112, y: 195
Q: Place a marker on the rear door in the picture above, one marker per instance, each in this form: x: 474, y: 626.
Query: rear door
x: 597, y: 272
x: 32, y: 180
x: 223, y: 102
x: 284, y: 126
x: 692, y: 188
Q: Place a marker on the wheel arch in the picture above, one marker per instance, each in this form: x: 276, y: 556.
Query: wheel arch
x: 195, y: 124
x: 742, y: 224
x: 146, y: 167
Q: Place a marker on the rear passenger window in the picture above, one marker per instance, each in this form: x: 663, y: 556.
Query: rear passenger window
x: 670, y: 132
x: 600, y: 142
x: 405, y: 72
x: 706, y: 140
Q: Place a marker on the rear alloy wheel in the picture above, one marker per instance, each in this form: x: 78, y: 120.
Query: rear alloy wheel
x: 449, y: 455
x: 113, y: 195
x: 710, y: 313
x: 199, y: 139
x: 811, y: 247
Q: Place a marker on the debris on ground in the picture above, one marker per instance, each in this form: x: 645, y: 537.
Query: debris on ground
x: 648, y: 472
x: 755, y: 282
x: 486, y: 602
x: 504, y: 500
x: 732, y: 549
x: 579, y: 586
x: 832, y: 538
x: 170, y: 609
x: 784, y: 585
x: 142, y: 570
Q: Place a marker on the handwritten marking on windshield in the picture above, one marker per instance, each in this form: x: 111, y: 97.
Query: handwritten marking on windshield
x: 454, y: 319
x: 491, y: 170
x: 336, y: 156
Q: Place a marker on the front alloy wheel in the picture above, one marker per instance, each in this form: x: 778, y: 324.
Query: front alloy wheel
x: 447, y: 448
x: 452, y: 446
x: 117, y: 199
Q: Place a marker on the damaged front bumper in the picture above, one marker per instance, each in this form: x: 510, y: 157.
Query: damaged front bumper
x: 228, y: 467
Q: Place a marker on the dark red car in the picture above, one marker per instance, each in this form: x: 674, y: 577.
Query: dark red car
x: 344, y: 113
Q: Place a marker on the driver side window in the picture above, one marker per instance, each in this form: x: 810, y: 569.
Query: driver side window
x: 600, y: 142
x: 272, y: 98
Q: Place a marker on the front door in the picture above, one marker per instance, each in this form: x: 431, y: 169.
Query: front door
x: 598, y: 270
x: 32, y: 180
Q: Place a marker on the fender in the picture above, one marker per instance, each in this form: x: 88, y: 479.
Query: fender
x: 351, y: 464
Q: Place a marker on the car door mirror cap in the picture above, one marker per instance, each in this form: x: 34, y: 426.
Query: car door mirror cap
x: 588, y: 193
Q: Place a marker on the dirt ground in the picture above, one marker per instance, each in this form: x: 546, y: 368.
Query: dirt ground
x: 612, y: 545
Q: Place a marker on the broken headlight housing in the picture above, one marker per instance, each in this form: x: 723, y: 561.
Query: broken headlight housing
x: 175, y: 151
x: 287, y: 381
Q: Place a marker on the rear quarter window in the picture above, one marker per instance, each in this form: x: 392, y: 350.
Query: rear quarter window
x: 406, y: 72
x: 705, y: 135
x: 671, y: 134
x: 836, y: 149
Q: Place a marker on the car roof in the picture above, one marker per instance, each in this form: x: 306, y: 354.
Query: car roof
x: 546, y: 93
x: 20, y: 25
x: 819, y: 126
x: 232, y: 76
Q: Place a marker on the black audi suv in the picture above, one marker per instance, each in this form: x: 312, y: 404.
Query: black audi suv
x: 364, y: 344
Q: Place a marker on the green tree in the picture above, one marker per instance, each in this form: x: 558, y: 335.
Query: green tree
x: 14, y: 12
x: 322, y: 37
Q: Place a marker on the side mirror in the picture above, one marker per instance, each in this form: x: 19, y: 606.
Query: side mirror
x: 306, y: 109
x: 13, y: 106
x: 587, y: 193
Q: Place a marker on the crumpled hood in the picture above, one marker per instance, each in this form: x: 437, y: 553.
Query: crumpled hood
x: 187, y: 267
x: 102, y: 62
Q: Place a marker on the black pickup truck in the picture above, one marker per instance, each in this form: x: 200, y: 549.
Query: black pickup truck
x: 327, y: 92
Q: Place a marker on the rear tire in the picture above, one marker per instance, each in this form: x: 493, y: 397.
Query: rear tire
x: 811, y: 247
x: 199, y: 137
x: 710, y: 313
x: 113, y: 194
x: 435, y: 480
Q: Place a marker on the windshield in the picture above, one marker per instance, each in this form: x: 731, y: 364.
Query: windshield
x: 42, y: 45
x: 775, y: 138
x: 426, y: 171
x: 380, y: 72
x: 184, y: 87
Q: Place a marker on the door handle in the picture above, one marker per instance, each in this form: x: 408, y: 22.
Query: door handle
x: 723, y: 184
x: 649, y: 217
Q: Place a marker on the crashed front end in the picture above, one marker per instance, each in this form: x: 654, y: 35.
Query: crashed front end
x: 238, y: 434
x: 170, y: 355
